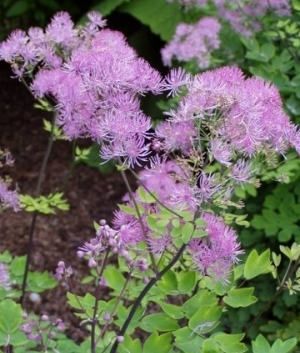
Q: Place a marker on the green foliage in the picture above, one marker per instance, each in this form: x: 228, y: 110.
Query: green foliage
x: 161, y: 16
x: 37, y: 282
x: 261, y: 345
x: 25, y: 13
x: 191, y: 312
x: 90, y: 157
x: 280, y: 213
x: 44, y: 204
x: 9, y: 323
x: 157, y: 343
x: 158, y: 322
x: 240, y: 297
x: 222, y: 342
x: 257, y: 264
x: 57, y: 131
x: 105, y: 7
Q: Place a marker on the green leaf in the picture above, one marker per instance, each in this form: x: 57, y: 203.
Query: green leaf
x: 157, y: 343
x: 17, y: 9
x: 210, y: 346
x: 16, y: 338
x: 5, y: 257
x: 155, y: 225
x: 131, y: 210
x: 187, y: 232
x: 122, y: 314
x: 67, y: 345
x: 186, y: 281
x: 296, y: 4
x: 161, y: 16
x: 174, y: 311
x: 240, y: 297
x: 17, y: 266
x: 39, y: 282
x: 105, y: 7
x: 145, y: 196
x: 187, y: 341
x: 261, y: 345
x: 230, y: 343
x: 257, y: 56
x: 292, y: 253
x: 168, y: 283
x: 283, y: 347
x: 202, y: 298
x: 257, y: 264
x: 158, y: 322
x: 130, y: 345
x: 114, y: 278
x: 205, y: 319
x: 10, y: 316
x: 268, y: 50
x: 79, y: 302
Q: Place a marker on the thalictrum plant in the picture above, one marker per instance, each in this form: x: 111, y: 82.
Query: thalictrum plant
x: 168, y: 267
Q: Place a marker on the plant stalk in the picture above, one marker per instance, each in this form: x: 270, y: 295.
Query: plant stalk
x: 35, y: 214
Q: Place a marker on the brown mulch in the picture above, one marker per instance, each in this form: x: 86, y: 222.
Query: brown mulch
x: 92, y: 196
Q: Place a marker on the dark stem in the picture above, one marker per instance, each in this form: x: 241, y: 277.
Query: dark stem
x: 280, y: 289
x: 29, y: 248
x: 70, y: 169
x: 97, y: 296
x: 35, y: 214
x: 139, y: 217
x: 138, y: 301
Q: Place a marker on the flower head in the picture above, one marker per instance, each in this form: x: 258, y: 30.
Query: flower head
x: 8, y: 198
x: 4, y: 277
x: 215, y: 254
x: 193, y: 42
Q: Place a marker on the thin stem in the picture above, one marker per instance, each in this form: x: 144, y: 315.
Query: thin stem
x: 35, y: 214
x: 155, y: 269
x: 71, y: 167
x: 290, y: 270
x: 265, y: 308
x: 97, y: 296
x: 153, y: 195
x: 138, y: 301
x: 114, y: 309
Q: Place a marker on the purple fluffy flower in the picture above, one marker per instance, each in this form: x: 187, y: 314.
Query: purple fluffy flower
x: 94, y: 77
x: 62, y: 271
x: 215, y: 254
x: 8, y: 198
x: 193, y: 42
x: 175, y: 80
x: 61, y: 29
x: 244, y: 16
x: 4, y: 277
x: 243, y: 115
x: 176, y: 136
x: 241, y: 171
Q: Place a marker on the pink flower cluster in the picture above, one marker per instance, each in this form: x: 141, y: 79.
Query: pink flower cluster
x: 215, y: 255
x: 244, y: 16
x: 8, y: 198
x: 242, y: 117
x: 4, y: 277
x: 224, y: 118
x: 43, y: 330
x: 193, y: 42
x: 94, y: 78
